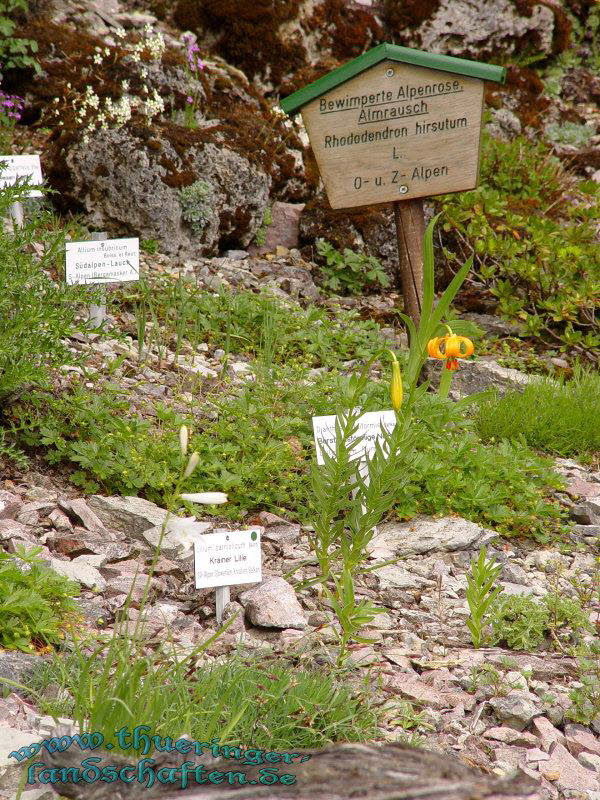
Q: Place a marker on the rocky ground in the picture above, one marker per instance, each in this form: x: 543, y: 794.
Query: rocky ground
x: 420, y: 646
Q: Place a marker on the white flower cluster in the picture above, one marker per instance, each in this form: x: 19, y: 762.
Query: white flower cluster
x: 116, y: 113
x: 151, y: 42
x: 154, y: 105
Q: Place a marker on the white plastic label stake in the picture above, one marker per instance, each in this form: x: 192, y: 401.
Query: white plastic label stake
x: 226, y: 558
x: 106, y: 261
x: 24, y: 166
x: 369, y: 427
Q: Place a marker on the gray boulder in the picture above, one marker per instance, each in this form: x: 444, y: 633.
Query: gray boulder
x: 273, y: 604
x: 516, y: 710
x: 131, y: 515
x: 426, y: 535
x: 483, y: 29
x: 478, y: 375
x: 191, y: 201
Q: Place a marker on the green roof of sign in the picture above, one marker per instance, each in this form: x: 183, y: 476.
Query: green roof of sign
x: 393, y: 52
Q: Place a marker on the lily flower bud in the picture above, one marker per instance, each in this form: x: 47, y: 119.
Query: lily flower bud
x: 183, y: 439
x: 205, y: 498
x: 396, y: 384
x: 192, y: 464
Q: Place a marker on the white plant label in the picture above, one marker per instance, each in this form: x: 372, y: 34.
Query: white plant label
x: 369, y: 428
x: 15, y: 167
x: 225, y: 558
x: 106, y: 261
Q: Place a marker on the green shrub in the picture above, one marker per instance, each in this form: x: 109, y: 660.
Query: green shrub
x: 259, y: 447
x: 555, y: 416
x: 523, y: 623
x: 569, y: 133
x: 532, y: 229
x: 501, y: 485
x: 36, y: 603
x: 349, y: 272
x: 36, y: 314
x: 586, y: 698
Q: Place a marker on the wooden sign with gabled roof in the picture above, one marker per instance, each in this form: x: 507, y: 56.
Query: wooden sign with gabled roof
x: 397, y: 124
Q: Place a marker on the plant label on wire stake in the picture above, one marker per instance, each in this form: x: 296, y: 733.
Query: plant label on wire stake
x: 13, y: 169
x: 226, y: 558
x: 104, y: 261
x: 369, y: 428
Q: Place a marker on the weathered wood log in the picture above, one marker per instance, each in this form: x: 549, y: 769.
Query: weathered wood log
x: 339, y: 772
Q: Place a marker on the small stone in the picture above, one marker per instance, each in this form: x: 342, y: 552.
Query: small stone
x: 236, y: 610
x: 567, y: 772
x: 516, y: 680
x: 547, y: 732
x: 577, y: 487
x: 79, y: 571
x: 418, y: 691
x: 511, y: 736
x: 79, y: 509
x: 513, y: 573
x: 236, y: 255
x: 536, y: 755
x: 589, y: 761
x: 60, y: 521
x: 10, y: 505
x: 11, y: 530
x: 580, y: 739
x: 586, y: 513
x: 361, y: 657
x: 273, y: 604
x: 425, y: 535
x: 516, y: 710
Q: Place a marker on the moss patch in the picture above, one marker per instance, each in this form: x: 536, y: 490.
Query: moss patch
x: 526, y: 89
x: 249, y: 33
x: 401, y: 14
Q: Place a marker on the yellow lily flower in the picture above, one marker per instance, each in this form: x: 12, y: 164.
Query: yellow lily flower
x: 451, y: 348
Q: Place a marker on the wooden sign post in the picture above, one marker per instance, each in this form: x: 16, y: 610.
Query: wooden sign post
x: 393, y: 126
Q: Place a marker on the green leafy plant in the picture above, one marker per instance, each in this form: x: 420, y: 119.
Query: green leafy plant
x: 489, y: 677
x: 149, y: 246
x: 585, y: 707
x: 525, y: 624
x: 263, y: 701
x: 530, y: 227
x: 349, y: 271
x: 15, y: 52
x: 569, y: 133
x: 351, y: 615
x: 481, y: 595
x: 197, y: 202
x: 36, y: 605
x: 234, y: 321
x: 261, y: 234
